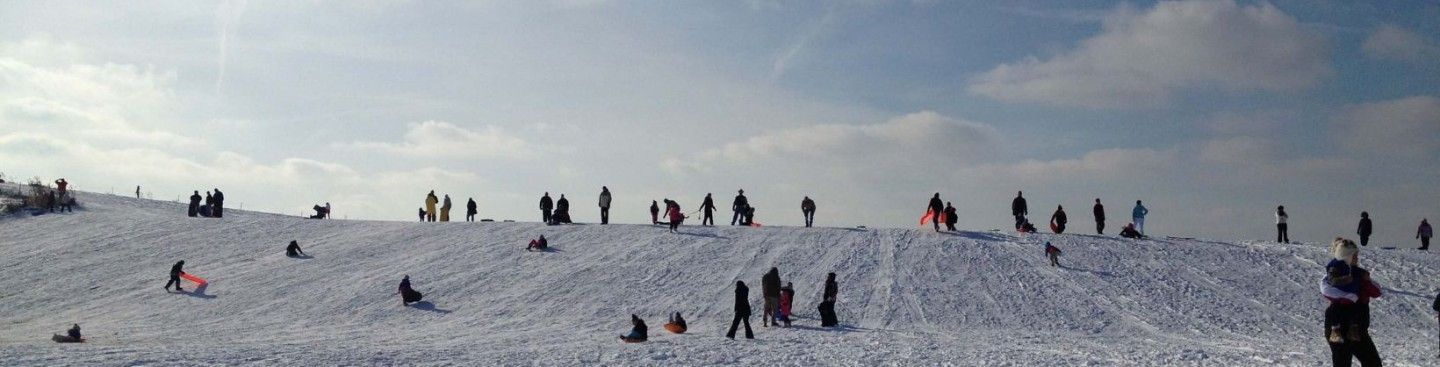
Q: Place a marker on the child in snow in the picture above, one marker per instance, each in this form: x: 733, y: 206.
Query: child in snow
x: 787, y: 295
x: 1130, y: 232
x: 654, y: 212
x: 676, y: 324
x: 71, y: 336
x: 422, y: 214
x: 293, y: 250
x: 1053, y: 252
x: 408, y: 295
x: 1347, y: 320
x: 539, y: 244
x: 1027, y: 227
x: 673, y: 212
x: 175, y: 272
x: 637, y: 334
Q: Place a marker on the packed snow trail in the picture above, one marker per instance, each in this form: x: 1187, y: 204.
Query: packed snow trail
x: 907, y: 296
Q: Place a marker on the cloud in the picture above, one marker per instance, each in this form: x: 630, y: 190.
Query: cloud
x: 439, y: 139
x: 1405, y: 128
x: 1395, y: 43
x: 914, y: 139
x: 1141, y: 59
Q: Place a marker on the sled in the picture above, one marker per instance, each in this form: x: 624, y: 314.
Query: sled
x: 755, y: 224
x: 925, y: 219
x: 675, y: 328
x: 1056, y: 228
x: 198, y: 280
x: 66, y: 339
x: 629, y: 340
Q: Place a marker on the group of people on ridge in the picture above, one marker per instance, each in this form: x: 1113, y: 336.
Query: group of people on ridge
x: 214, y: 204
x: 1364, y: 229
x: 428, y: 213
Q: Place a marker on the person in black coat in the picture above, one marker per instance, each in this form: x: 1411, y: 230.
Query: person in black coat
x: 1058, y: 220
x: 470, y: 210
x: 739, y: 207
x: 545, y: 206
x: 175, y: 272
x: 1019, y: 208
x: 219, y: 209
x: 562, y: 210
x: 408, y: 294
x: 936, y: 208
x: 708, y: 208
x: 770, y: 288
x: 195, y: 203
x: 293, y: 250
x: 827, y: 305
x: 654, y: 212
x: 951, y: 217
x: 1099, y: 217
x: 742, y: 311
x: 639, y: 332
x: 1365, y: 229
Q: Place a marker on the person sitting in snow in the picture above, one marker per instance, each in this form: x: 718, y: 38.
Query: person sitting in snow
x: 1130, y: 232
x: 293, y: 250
x: 676, y: 324
x: 1052, y: 252
x: 637, y: 334
x: 539, y: 244
x: 71, y: 336
x: 1026, y: 227
x: 408, y: 295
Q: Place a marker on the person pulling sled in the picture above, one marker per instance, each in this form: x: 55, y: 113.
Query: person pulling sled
x: 175, y: 272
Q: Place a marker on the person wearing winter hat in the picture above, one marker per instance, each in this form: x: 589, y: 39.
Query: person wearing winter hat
x: 1349, y: 289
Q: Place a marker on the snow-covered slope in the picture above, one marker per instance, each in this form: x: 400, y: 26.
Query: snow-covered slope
x: 907, y: 296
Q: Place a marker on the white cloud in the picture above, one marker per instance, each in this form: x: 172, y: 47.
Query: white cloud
x: 439, y: 139
x: 914, y: 138
x: 1141, y: 59
x: 1406, y: 127
x: 1392, y: 42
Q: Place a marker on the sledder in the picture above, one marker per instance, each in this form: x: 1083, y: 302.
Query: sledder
x: 1130, y: 232
x: 787, y: 296
x: 637, y: 333
x: 676, y: 324
x: 408, y: 295
x: 71, y: 336
x: 293, y: 250
x: 539, y: 244
x: 1052, y: 252
x: 1026, y: 227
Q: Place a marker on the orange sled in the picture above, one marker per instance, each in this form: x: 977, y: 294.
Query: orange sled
x: 675, y: 328
x: 197, y: 280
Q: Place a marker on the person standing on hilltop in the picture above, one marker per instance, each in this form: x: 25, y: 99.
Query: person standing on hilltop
x: 936, y: 208
x: 562, y: 211
x: 807, y: 208
x: 1282, y: 227
x: 951, y: 217
x: 430, y: 201
x: 470, y: 210
x: 219, y: 209
x: 1138, y: 214
x: 708, y: 208
x: 546, y: 205
x: 195, y: 203
x: 1099, y: 217
x: 739, y: 206
x: 654, y: 212
x: 1058, y: 220
x: 604, y: 205
x: 1365, y: 229
x: 445, y: 209
x: 1424, y: 233
x: 1019, y: 209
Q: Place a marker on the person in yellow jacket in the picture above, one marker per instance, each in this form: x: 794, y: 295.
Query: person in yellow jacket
x: 430, y: 201
x: 445, y: 209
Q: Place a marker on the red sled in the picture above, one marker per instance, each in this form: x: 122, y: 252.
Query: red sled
x: 192, y: 278
x: 925, y: 219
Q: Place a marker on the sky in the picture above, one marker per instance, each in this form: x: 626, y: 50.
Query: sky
x: 1211, y: 112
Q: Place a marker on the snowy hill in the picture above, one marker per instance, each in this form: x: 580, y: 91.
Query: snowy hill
x: 907, y: 296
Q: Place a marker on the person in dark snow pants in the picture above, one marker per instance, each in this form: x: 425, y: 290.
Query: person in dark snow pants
x: 1099, y: 212
x: 807, y: 208
x: 1019, y: 208
x: 1053, y: 253
x: 175, y: 272
x: 1282, y: 227
x: 422, y: 214
x: 739, y: 207
x: 827, y: 305
x: 742, y: 311
x: 654, y: 212
x: 604, y: 205
x: 219, y: 209
x: 470, y: 210
x: 707, y: 208
x: 935, y: 208
x: 195, y: 203
x: 74, y: 332
x: 637, y: 332
x: 545, y: 206
x: 293, y: 250
x: 408, y: 295
x: 1424, y: 233
x: 770, y: 288
x: 1058, y: 220
x: 1365, y: 229
x: 951, y: 217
